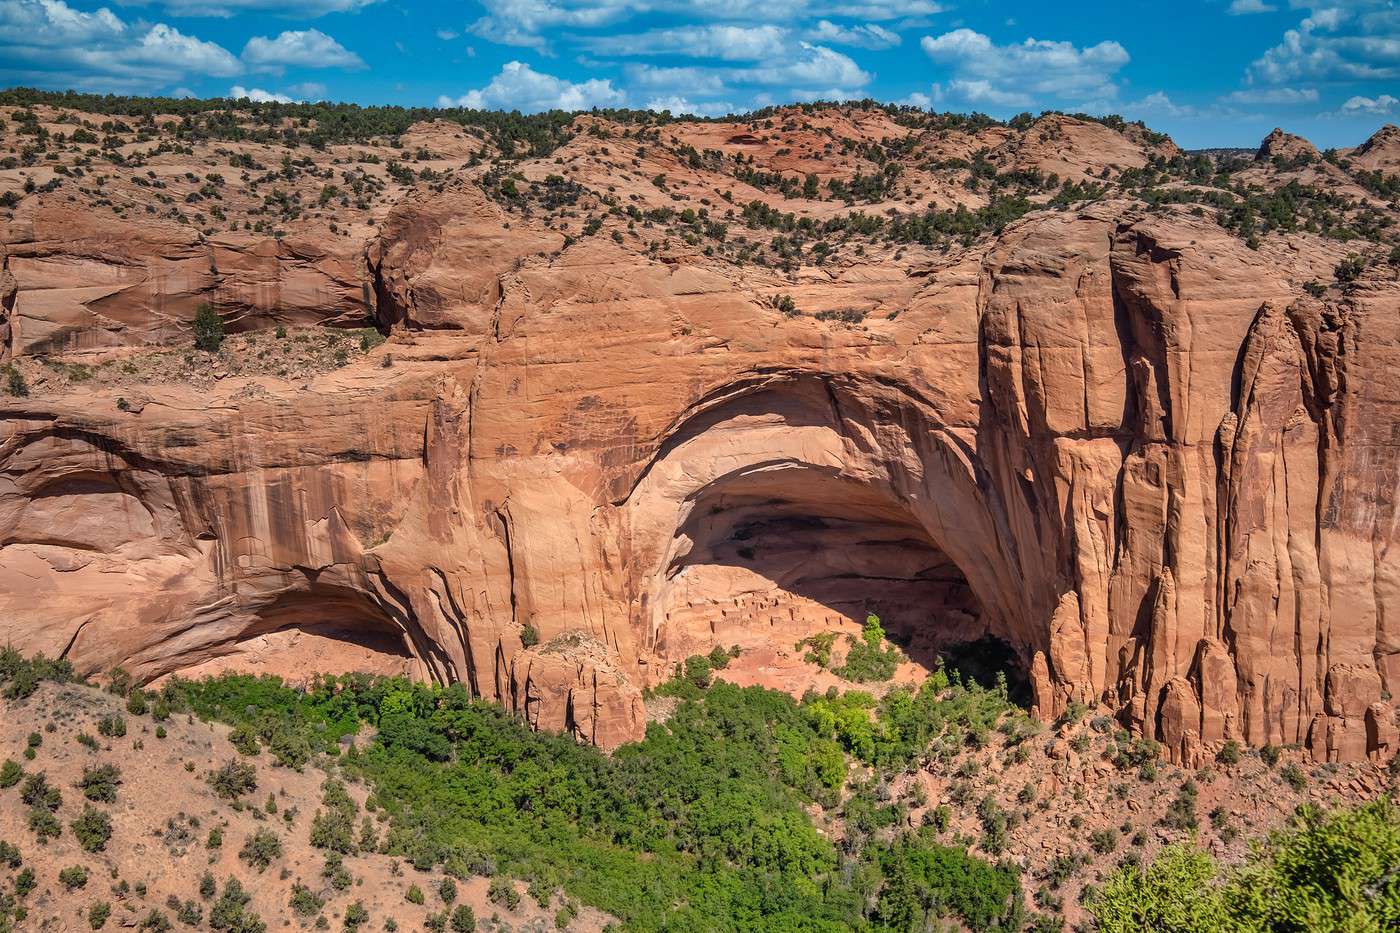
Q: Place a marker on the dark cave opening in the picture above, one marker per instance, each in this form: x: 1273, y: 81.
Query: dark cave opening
x: 812, y: 546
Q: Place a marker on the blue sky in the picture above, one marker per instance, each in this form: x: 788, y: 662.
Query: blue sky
x: 1210, y: 72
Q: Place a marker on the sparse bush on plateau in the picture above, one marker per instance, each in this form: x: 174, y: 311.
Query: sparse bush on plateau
x: 261, y: 849
x: 92, y: 829
x: 234, y: 779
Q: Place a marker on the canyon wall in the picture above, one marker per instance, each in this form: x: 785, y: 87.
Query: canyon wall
x: 1121, y: 441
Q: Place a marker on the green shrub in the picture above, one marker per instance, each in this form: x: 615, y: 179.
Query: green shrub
x: 261, y: 849
x: 356, y: 916
x: 333, y: 826
x: 100, y: 783
x: 156, y: 922
x: 22, y: 677
x: 187, y: 912
x: 414, y: 895
x: 1294, y: 777
x: 233, y: 780
x: 1333, y: 871
x: 305, y: 902
x: 1229, y: 754
x: 706, y: 811
x: 447, y: 890
x: 136, y: 703
x: 73, y: 877
x: 1330, y: 871
x: 818, y: 649
x: 15, y: 383
x: 10, y: 855
x: 502, y: 893
x: 112, y: 726
x: 334, y: 872
x: 1104, y: 841
x: 98, y: 914
x: 245, y: 739
x: 1350, y: 268
x: 230, y: 913
x: 25, y: 882
x: 866, y: 660
x: 208, y: 328
x: 463, y: 919
x: 1270, y: 754
x: 1181, y: 812
x: 1174, y: 894
x: 92, y: 828
x: 44, y: 824
x: 10, y: 773
x: 38, y: 792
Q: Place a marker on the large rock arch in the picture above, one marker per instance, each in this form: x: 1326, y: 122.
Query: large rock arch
x: 816, y: 496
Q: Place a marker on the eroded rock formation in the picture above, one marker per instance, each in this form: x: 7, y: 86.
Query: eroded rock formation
x: 1121, y: 440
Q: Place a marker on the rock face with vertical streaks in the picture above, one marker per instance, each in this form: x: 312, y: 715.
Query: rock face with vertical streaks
x: 1120, y: 440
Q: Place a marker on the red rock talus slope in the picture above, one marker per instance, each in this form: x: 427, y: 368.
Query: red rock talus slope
x: 1118, y: 438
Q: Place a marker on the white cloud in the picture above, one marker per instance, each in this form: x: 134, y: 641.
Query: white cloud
x: 257, y: 95
x: 981, y: 91
x: 1340, y: 42
x: 49, y: 39
x: 53, y: 23
x: 309, y: 48
x: 814, y: 66
x: 1245, y: 7
x: 727, y: 43
x: 869, y: 36
x: 308, y: 90
x: 878, y: 9
x: 493, y: 30
x: 920, y: 99
x: 681, y: 81
x: 522, y: 22
x: 1036, y: 69
x: 300, y: 9
x: 1159, y: 103
x: 164, y: 43
x: 520, y: 87
x: 1380, y: 106
x: 446, y: 35
x: 680, y: 105
x: 1273, y: 95
x: 830, y: 93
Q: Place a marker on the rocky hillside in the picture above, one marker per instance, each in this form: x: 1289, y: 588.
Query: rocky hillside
x: 122, y: 821
x: 545, y: 405
x: 234, y: 804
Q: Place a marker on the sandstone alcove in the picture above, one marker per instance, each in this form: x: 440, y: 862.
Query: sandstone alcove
x: 807, y: 548
x: 787, y: 509
x: 299, y: 633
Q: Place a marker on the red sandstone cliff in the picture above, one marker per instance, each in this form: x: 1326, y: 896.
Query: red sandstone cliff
x: 1119, y: 438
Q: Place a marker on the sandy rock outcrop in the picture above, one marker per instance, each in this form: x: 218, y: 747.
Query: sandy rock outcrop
x: 1285, y: 146
x: 1380, y: 153
x: 80, y: 280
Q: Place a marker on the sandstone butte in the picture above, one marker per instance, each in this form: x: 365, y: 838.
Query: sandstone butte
x: 1126, y: 441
